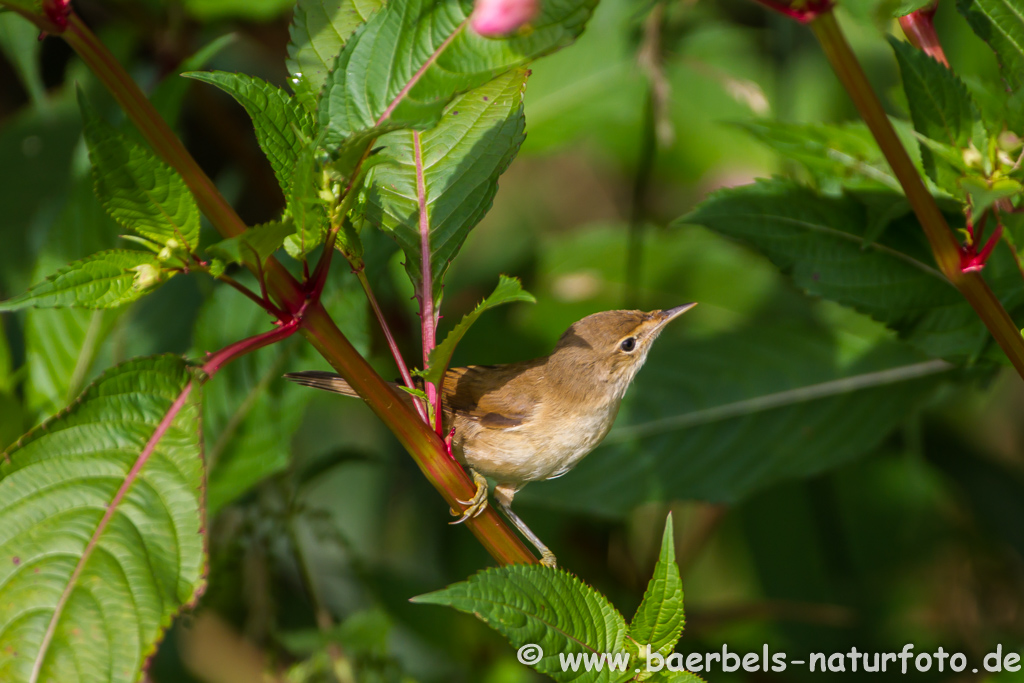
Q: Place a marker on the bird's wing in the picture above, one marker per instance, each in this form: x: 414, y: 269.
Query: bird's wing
x: 491, y: 394
x: 494, y: 396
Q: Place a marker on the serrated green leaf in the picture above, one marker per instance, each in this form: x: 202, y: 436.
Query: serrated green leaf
x: 530, y: 604
x: 847, y: 153
x: 254, y: 245
x: 101, y: 527
x: 403, y: 66
x: 63, y: 345
x: 984, y: 193
x: 659, y: 619
x: 819, y: 242
x: 307, y: 208
x: 949, y: 155
x: 319, y: 31
x: 940, y: 107
x: 283, y: 126
x: 509, y: 289
x: 105, y: 280
x: 137, y: 189
x: 1000, y: 23
x: 458, y: 162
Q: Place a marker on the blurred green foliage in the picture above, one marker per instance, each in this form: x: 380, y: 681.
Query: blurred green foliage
x: 868, y: 517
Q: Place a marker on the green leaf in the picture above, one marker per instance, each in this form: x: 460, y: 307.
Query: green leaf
x: 63, y: 346
x: 105, y: 280
x: 139, y: 190
x: 509, y: 289
x: 819, y: 241
x: 319, y: 31
x: 1000, y: 23
x: 940, y: 107
x: 659, y: 619
x: 721, y: 417
x: 550, y: 608
x: 252, y: 10
x: 847, y: 153
x: 402, y: 67
x: 459, y: 162
x: 256, y: 243
x: 984, y: 193
x: 33, y: 6
x: 101, y: 527
x: 306, y: 206
x: 675, y: 677
x: 6, y: 365
x: 283, y: 126
x: 19, y: 40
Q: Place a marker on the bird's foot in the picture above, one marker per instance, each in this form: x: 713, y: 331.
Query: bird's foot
x: 478, y: 503
x: 547, y: 558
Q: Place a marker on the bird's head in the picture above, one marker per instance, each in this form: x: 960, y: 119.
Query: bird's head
x: 614, y: 344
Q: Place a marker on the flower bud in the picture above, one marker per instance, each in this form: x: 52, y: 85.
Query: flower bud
x: 972, y: 157
x: 146, y: 276
x: 501, y: 17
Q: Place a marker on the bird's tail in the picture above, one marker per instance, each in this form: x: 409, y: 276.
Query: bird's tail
x: 328, y: 381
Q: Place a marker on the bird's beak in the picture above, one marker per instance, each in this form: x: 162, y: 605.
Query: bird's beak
x: 670, y: 314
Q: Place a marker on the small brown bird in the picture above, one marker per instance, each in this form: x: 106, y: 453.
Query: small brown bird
x: 536, y: 419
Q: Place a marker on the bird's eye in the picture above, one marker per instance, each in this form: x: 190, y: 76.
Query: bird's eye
x: 628, y: 344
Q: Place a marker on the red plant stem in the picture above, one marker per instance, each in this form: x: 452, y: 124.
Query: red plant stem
x: 428, y: 315
x: 403, y: 369
x: 264, y: 302
x: 426, y: 448
x: 919, y: 28
x: 804, y: 12
x: 229, y: 353
x: 944, y: 244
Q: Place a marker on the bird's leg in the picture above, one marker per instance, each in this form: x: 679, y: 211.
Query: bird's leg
x: 478, y: 503
x: 503, y: 497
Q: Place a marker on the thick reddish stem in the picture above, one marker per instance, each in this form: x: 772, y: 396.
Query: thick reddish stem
x: 919, y: 28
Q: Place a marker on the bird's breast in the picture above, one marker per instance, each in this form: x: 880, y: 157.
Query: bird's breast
x: 547, y: 446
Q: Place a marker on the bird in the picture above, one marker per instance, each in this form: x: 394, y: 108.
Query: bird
x: 536, y: 419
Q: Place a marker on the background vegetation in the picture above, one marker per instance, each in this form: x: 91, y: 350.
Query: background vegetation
x: 867, y: 516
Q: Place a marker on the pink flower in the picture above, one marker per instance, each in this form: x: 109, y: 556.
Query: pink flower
x: 500, y: 17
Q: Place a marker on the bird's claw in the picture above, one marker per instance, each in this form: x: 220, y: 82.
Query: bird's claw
x: 547, y: 559
x: 477, y: 504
